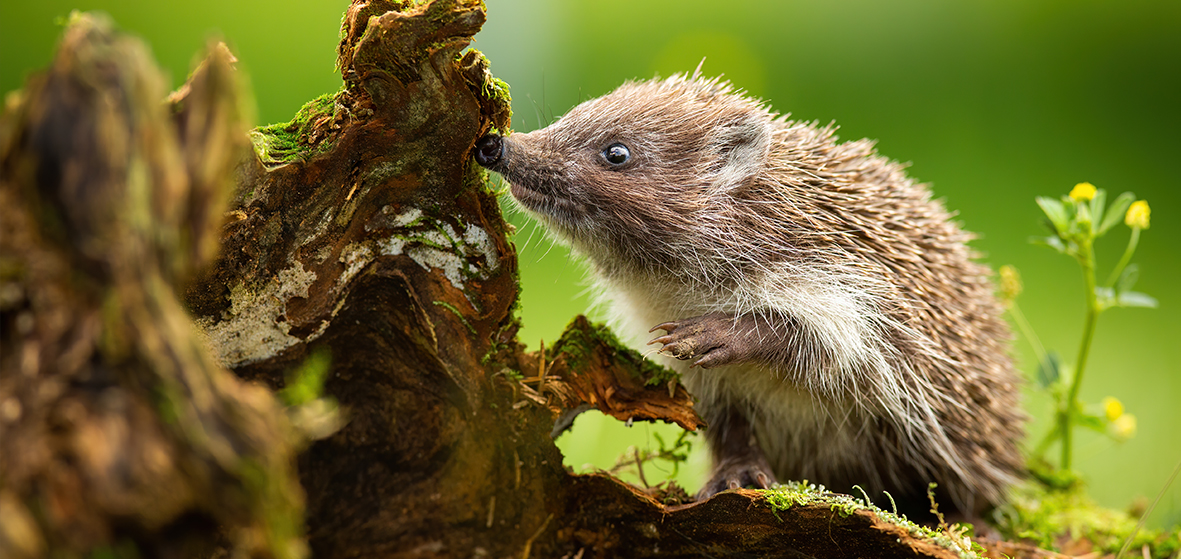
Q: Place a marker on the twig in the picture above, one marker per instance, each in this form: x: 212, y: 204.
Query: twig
x: 537, y: 534
x: 640, y: 468
x: 517, y: 467
x: 541, y: 368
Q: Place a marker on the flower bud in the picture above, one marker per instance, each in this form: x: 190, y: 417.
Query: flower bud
x: 1010, y: 282
x: 1082, y: 192
x: 1137, y: 216
x: 1112, y: 408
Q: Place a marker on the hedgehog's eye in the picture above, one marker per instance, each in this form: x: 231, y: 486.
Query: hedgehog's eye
x: 617, y: 154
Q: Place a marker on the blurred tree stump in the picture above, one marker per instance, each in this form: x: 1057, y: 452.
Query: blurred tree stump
x: 118, y: 429
x: 360, y: 235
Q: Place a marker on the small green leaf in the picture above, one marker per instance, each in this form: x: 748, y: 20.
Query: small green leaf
x: 1083, y: 219
x: 1097, y: 206
x: 1091, y: 421
x: 1106, y: 297
x: 1116, y: 212
x: 1127, y: 279
x: 1052, y: 242
x: 1048, y: 371
x: 1056, y: 212
x: 1135, y: 299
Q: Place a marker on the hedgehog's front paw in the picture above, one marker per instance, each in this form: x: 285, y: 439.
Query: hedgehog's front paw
x: 707, y: 339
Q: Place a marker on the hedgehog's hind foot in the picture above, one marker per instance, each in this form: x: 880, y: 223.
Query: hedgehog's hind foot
x: 734, y: 472
x: 739, y: 461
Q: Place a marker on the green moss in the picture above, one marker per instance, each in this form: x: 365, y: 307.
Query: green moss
x: 497, y: 90
x: 306, y: 382
x: 305, y: 136
x: 1043, y: 515
x: 574, y: 344
x: 651, y: 373
x: 477, y: 178
x: 493, y: 94
x: 801, y: 493
x: 452, y: 246
x: 578, y: 343
x: 511, y: 323
x: 454, y: 310
x: 793, y: 494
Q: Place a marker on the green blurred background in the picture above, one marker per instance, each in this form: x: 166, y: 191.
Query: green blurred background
x: 993, y: 101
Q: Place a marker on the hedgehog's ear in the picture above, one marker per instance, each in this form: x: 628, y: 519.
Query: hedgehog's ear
x: 742, y: 146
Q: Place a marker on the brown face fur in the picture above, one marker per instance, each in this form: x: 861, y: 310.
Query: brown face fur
x: 688, y: 143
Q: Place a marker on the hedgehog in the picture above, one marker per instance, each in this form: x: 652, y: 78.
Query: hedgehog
x: 826, y: 313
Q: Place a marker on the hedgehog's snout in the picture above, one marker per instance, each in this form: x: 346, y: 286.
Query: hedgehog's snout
x: 490, y: 151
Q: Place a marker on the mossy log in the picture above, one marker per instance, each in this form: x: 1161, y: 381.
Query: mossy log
x: 361, y: 231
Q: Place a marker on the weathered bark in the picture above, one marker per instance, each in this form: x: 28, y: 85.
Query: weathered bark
x: 361, y: 230
x: 117, y: 426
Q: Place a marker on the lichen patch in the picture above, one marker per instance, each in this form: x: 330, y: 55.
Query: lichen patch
x: 406, y: 218
x: 433, y: 244
x: 478, y: 238
x: 255, y: 327
x: 449, y: 263
x: 320, y: 228
x: 355, y: 257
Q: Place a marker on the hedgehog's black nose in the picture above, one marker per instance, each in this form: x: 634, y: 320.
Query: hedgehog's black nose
x: 489, y: 150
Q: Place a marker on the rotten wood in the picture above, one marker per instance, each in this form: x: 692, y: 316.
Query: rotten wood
x: 588, y: 368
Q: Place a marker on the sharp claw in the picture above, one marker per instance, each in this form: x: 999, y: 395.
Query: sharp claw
x: 713, y: 358
x: 665, y: 339
x: 666, y: 326
x: 733, y: 484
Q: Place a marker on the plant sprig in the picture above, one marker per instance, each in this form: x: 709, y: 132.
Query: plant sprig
x: 1076, y: 221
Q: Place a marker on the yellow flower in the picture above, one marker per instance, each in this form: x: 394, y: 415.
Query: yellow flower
x: 1082, y: 192
x: 1124, y: 428
x: 1137, y: 215
x: 1112, y: 408
x: 1010, y: 282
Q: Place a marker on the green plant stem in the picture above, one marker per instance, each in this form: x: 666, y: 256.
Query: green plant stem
x: 1127, y: 257
x: 1043, y: 361
x: 1086, y: 258
x: 1027, y: 331
x: 1048, y: 440
x: 1148, y: 511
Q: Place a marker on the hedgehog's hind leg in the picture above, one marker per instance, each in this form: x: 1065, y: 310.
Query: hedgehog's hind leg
x: 738, y: 459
